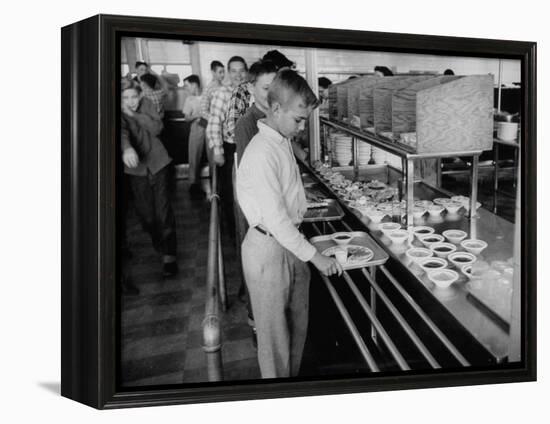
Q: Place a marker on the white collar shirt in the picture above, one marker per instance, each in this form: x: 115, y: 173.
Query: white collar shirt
x: 270, y: 190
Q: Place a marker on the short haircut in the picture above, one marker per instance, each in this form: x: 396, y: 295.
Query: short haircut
x: 324, y: 82
x: 279, y: 59
x: 193, y: 79
x: 237, y: 59
x: 288, y: 84
x: 139, y: 63
x: 149, y: 79
x: 126, y: 84
x: 260, y: 68
x: 385, y: 70
x: 215, y: 64
x: 448, y: 72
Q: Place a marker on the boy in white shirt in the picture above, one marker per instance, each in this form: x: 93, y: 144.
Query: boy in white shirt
x: 274, y: 252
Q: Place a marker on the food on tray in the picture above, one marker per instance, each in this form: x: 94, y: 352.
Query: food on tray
x: 356, y: 254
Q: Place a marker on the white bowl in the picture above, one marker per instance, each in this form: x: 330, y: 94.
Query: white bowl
x: 422, y: 230
x: 375, y: 215
x: 432, y: 264
x: 417, y: 254
x: 443, y: 278
x: 473, y: 245
x: 341, y: 238
x: 442, y: 201
x: 418, y: 211
x: 452, y: 206
x: 385, y: 207
x: 454, y: 236
x: 430, y: 239
x: 467, y: 270
x: 460, y: 199
x: 442, y: 250
x: 398, y: 236
x: 435, y: 210
x: 466, y: 205
x: 387, y: 227
x: 459, y: 259
x: 423, y: 203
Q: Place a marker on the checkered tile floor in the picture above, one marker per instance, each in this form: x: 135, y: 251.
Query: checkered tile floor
x: 161, y: 334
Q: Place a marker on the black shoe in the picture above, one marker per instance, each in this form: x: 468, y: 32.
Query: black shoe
x: 169, y: 269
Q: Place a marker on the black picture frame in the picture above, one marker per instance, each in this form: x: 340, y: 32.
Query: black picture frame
x: 90, y: 68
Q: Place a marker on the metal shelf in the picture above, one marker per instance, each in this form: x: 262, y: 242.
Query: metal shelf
x: 408, y: 156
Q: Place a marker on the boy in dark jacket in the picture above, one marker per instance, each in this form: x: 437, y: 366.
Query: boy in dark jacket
x: 146, y: 166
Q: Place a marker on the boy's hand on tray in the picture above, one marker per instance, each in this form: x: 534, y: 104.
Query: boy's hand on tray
x: 326, y: 264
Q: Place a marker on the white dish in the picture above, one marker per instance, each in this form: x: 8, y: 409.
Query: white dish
x: 430, y: 239
x: 474, y: 246
x: 443, y: 278
x: 459, y: 259
x: 375, y: 215
x: 442, y: 201
x: 422, y: 230
x: 454, y: 236
x: 467, y: 271
x: 387, y: 227
x: 466, y: 205
x: 442, y: 250
x: 452, y: 206
x: 417, y: 254
x: 424, y: 203
x: 385, y: 207
x: 435, y: 210
x: 398, y: 236
x: 418, y: 211
x: 341, y: 238
x: 432, y: 264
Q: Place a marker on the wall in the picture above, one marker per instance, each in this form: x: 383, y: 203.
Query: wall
x: 339, y: 64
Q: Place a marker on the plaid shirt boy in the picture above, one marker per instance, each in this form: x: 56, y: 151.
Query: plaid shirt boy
x: 241, y: 100
x: 206, y: 99
x: 216, y: 130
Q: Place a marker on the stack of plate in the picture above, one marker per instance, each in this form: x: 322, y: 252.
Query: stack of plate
x: 363, y: 153
x: 341, y: 148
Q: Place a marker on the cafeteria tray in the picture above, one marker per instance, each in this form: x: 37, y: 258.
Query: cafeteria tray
x: 332, y: 212
x: 360, y: 238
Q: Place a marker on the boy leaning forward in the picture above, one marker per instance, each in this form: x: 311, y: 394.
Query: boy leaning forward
x: 274, y: 252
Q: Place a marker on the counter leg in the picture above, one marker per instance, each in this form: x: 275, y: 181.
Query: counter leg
x: 409, y: 196
x: 495, y: 176
x: 473, y: 195
x: 373, y: 333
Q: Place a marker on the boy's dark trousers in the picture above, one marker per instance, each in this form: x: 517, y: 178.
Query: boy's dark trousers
x: 152, y: 203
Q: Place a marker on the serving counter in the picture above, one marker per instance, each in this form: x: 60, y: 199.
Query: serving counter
x: 459, y: 316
